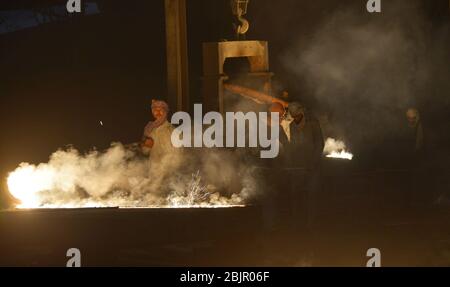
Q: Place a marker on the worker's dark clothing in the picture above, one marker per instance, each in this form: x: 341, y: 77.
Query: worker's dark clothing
x: 272, y: 178
x: 306, y: 144
x: 413, y: 142
x: 302, y: 166
x: 412, y: 153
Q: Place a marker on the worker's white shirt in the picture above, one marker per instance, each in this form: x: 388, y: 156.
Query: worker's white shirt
x: 286, y: 125
x: 162, y: 137
x: 165, y: 159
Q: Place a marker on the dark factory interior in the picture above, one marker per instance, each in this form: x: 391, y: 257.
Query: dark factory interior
x: 76, y: 90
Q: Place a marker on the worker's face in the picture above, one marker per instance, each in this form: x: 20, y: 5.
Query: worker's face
x: 159, y: 113
x: 412, y: 118
x: 299, y: 118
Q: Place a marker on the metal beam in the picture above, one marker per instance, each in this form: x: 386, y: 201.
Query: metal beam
x: 177, y: 56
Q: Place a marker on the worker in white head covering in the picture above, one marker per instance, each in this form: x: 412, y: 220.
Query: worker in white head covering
x: 165, y: 159
x: 157, y: 133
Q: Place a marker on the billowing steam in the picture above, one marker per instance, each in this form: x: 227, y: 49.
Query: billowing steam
x: 121, y: 177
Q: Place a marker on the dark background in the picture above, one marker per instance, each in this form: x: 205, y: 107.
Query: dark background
x: 59, y: 80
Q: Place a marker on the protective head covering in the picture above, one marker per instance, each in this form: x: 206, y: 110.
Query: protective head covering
x: 160, y: 104
x: 296, y: 109
x: 151, y: 126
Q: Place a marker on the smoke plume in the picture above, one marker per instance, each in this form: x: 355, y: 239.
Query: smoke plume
x: 122, y: 177
x: 367, y: 69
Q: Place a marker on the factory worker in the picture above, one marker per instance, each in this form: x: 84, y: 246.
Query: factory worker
x: 165, y: 159
x: 416, y: 129
x: 424, y: 188
x: 303, y: 153
x: 306, y: 138
x: 157, y: 133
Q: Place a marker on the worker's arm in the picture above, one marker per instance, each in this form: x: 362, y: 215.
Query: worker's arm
x: 148, y: 142
x: 254, y: 95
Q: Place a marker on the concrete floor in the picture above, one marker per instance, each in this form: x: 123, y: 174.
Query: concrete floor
x: 220, y: 237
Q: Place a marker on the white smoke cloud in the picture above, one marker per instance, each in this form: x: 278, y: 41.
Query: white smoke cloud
x: 121, y: 177
x: 367, y: 70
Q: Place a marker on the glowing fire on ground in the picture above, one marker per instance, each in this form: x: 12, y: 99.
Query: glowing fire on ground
x: 31, y: 186
x: 111, y: 179
x: 26, y: 182
x: 336, y: 149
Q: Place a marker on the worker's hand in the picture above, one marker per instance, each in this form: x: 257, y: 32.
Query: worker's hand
x: 148, y: 143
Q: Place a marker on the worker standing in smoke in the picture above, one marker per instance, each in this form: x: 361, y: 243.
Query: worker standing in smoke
x: 416, y: 130
x: 303, y: 156
x: 157, y: 133
x: 157, y: 142
x: 422, y: 190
